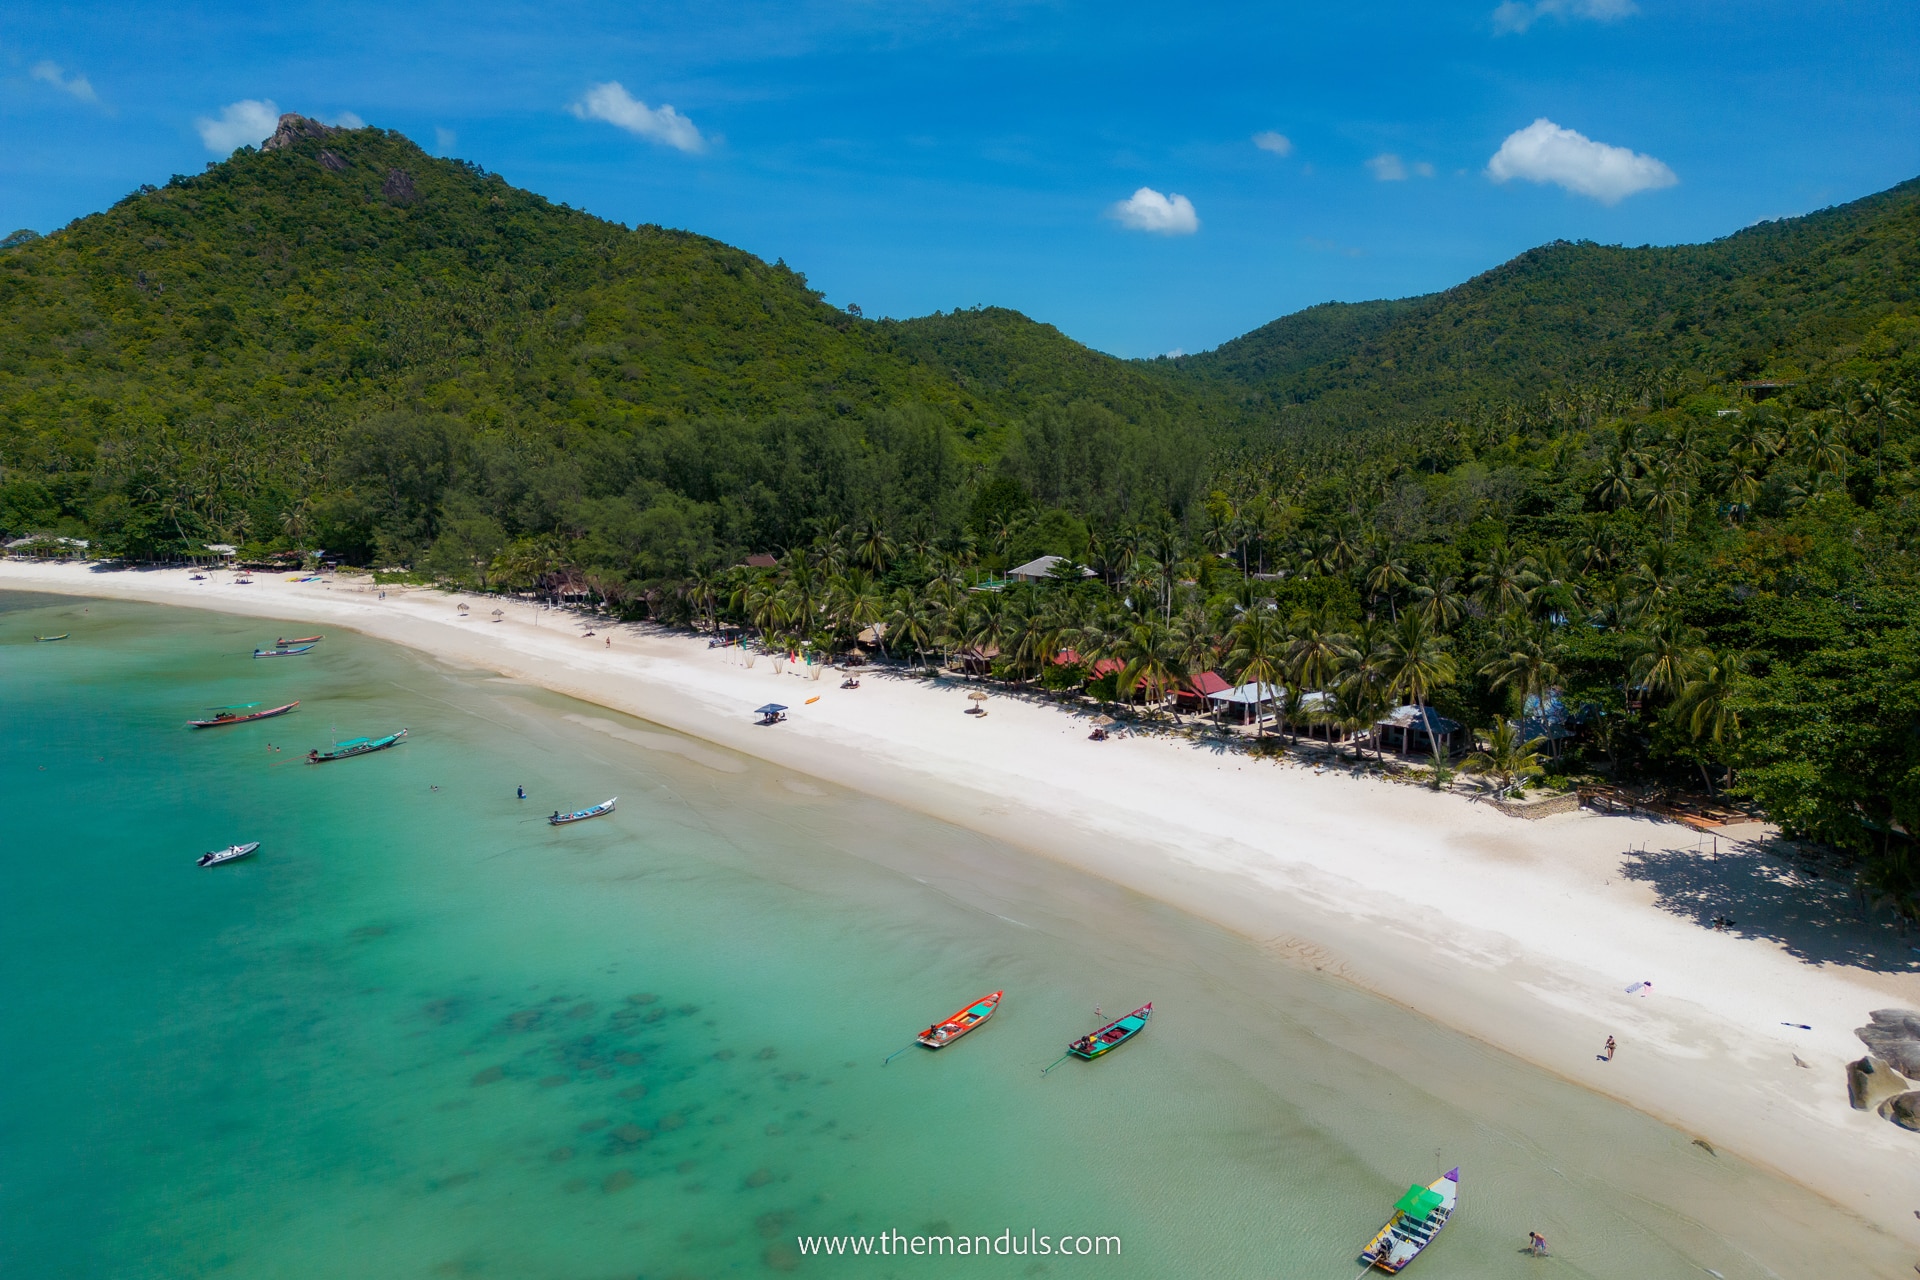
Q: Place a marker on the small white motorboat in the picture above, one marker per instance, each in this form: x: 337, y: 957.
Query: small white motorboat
x: 232, y: 853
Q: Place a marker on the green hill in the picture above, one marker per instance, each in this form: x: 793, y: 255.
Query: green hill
x: 340, y: 332
x: 1785, y: 298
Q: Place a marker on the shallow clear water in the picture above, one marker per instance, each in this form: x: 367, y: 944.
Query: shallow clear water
x: 423, y: 1034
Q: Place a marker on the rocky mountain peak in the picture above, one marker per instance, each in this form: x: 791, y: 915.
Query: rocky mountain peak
x: 295, y: 128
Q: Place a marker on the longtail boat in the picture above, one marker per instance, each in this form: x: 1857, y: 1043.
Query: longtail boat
x: 945, y: 1032
x: 1417, y: 1219
x: 1113, y: 1035
x: 306, y: 640
x: 232, y: 853
x: 354, y: 747
x: 231, y: 715
x: 581, y: 815
x: 281, y: 653
x: 50, y: 639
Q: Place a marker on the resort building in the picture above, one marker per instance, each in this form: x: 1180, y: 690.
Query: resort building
x: 1040, y: 570
x: 1416, y: 731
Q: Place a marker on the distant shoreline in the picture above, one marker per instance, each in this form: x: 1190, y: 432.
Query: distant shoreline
x: 1521, y: 934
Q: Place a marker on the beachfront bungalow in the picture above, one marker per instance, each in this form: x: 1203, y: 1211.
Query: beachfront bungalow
x: 1243, y: 703
x: 1040, y: 570
x: 1311, y: 720
x: 1195, y: 691
x: 760, y: 560
x: 975, y: 662
x: 1416, y: 731
x: 46, y: 546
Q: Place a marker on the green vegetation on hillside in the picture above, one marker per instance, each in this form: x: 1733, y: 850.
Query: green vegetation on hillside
x: 345, y: 342
x: 1670, y: 490
x: 1782, y: 299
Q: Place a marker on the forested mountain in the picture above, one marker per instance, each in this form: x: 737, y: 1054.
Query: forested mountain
x: 391, y: 348
x: 1781, y: 299
x: 1671, y: 491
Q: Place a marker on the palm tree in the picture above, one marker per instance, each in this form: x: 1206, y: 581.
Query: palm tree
x: 1529, y: 665
x: 1440, y: 601
x: 1705, y: 704
x: 1256, y: 654
x: 1498, y: 583
x: 911, y: 621
x: 1317, y: 649
x: 1666, y: 656
x: 1152, y: 653
x: 1614, y: 488
x: 1386, y: 576
x: 1414, y: 662
x: 1507, y: 757
x: 857, y: 604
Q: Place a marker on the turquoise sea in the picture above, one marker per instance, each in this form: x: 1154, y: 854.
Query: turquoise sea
x: 423, y: 1034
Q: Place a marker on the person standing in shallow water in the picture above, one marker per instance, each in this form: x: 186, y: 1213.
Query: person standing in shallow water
x: 520, y: 793
x: 1536, y: 1244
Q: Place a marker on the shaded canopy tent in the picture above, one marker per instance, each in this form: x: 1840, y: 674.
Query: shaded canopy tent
x: 770, y: 713
x: 1245, y: 703
x: 1413, y: 730
x: 1419, y: 1202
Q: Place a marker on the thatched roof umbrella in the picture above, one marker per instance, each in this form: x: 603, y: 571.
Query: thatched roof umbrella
x: 977, y: 697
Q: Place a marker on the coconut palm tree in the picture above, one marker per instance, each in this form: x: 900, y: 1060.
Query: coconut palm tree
x: 1666, y: 656
x: 1414, y: 662
x: 1498, y: 584
x: 1507, y: 757
x: 911, y: 621
x: 1257, y: 655
x: 1440, y: 600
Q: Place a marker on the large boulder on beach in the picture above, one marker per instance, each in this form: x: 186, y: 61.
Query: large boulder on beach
x: 1903, y: 1110
x: 1894, y: 1037
x: 1871, y: 1082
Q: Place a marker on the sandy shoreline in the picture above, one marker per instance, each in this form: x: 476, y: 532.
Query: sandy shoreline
x: 1522, y: 934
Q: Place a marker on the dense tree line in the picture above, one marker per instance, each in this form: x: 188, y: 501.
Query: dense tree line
x: 1671, y: 491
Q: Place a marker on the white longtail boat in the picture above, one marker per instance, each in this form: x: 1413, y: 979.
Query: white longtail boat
x: 1417, y: 1219
x: 581, y: 815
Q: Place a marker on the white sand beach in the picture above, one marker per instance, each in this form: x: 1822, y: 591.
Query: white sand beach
x: 1524, y: 934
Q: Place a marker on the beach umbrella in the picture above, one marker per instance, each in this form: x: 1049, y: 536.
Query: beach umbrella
x: 978, y: 695
x: 1101, y: 722
x: 771, y: 709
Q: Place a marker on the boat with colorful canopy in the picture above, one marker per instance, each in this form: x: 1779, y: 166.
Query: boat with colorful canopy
x: 354, y: 747
x: 946, y: 1031
x: 1113, y: 1035
x: 1417, y: 1219
x: 233, y: 715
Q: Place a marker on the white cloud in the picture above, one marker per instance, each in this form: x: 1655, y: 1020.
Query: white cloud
x: 1388, y: 168
x: 76, y: 85
x: 345, y: 120
x: 1148, y: 210
x: 1517, y: 15
x: 248, y: 122
x: 1278, y: 143
x: 1544, y: 152
x: 1423, y: 170
x: 443, y: 140
x: 612, y: 103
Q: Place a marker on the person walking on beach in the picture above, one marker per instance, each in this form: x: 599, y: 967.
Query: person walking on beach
x: 1608, y: 1056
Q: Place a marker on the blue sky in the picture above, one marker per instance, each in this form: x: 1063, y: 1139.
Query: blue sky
x: 1094, y: 165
